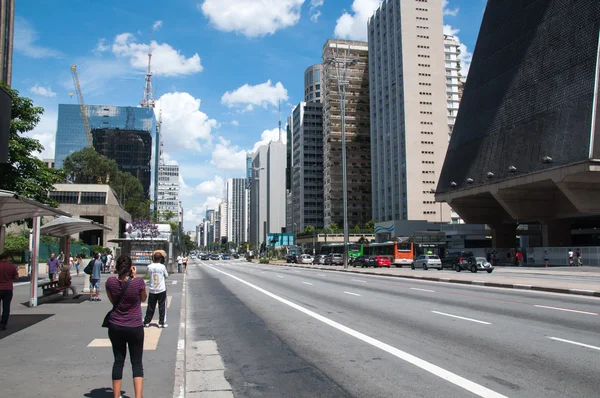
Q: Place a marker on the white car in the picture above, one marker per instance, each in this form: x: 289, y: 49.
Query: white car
x: 426, y: 261
x: 306, y: 259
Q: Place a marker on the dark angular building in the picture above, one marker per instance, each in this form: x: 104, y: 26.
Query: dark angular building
x: 131, y: 149
x: 526, y: 143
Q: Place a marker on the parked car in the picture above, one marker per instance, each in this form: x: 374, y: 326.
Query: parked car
x: 291, y: 259
x: 361, y: 261
x: 225, y: 257
x: 427, y: 261
x: 452, y: 259
x: 306, y: 259
x: 236, y: 256
x: 215, y: 257
x: 334, y: 259
x: 380, y: 261
x: 319, y: 259
x: 204, y: 257
x: 475, y: 264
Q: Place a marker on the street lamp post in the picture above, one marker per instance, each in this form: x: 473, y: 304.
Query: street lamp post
x: 341, y: 64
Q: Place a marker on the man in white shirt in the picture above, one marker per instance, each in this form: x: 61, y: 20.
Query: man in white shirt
x: 180, y: 263
x: 157, y: 291
x: 109, y: 264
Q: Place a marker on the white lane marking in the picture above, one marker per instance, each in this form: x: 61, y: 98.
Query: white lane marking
x: 321, y: 274
x: 174, y: 283
x: 353, y: 294
x: 435, y: 370
x: 307, y: 283
x: 565, y: 309
x: 358, y: 280
x: 181, y: 344
x: 279, y: 276
x: 575, y: 343
x: 261, y: 272
x: 422, y: 290
x: 461, y: 317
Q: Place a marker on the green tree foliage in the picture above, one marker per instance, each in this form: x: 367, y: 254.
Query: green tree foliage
x: 187, y: 243
x: 309, y: 229
x: 356, y: 229
x: 25, y: 173
x: 370, y: 225
x: 16, y: 244
x: 334, y: 228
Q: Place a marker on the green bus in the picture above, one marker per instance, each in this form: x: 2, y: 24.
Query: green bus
x: 354, y: 249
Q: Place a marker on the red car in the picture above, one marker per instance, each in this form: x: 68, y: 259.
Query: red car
x: 380, y: 261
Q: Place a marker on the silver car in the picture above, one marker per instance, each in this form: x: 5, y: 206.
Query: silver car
x: 426, y: 261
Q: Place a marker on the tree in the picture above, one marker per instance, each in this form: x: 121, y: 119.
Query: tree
x: 167, y: 215
x: 356, y: 229
x: 370, y: 225
x: 187, y: 243
x: 16, y: 244
x: 334, y: 228
x: 309, y: 229
x: 25, y: 173
x: 87, y: 166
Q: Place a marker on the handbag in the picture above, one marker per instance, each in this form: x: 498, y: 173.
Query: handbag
x: 116, y: 303
x: 90, y: 267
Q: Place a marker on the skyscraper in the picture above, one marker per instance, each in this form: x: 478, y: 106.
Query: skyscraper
x: 453, y: 79
x: 307, y: 167
x: 312, y: 83
x: 267, y: 192
x: 409, y: 128
x: 7, y: 19
x: 168, y: 192
x: 237, y: 214
x: 357, y: 136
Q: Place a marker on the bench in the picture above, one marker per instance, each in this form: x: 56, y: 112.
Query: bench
x: 50, y: 288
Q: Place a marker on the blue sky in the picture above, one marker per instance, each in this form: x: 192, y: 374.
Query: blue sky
x: 220, y: 67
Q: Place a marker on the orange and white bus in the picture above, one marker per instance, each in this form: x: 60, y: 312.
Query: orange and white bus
x: 399, y: 253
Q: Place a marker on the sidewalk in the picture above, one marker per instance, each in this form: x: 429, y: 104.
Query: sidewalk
x: 499, y: 278
x: 59, y: 349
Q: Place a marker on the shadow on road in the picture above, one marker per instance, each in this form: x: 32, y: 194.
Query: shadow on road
x: 104, y: 392
x: 18, y: 322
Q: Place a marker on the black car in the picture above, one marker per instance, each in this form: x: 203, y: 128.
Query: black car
x: 453, y: 259
x: 362, y: 261
x: 204, y: 257
x: 235, y: 255
x: 291, y: 258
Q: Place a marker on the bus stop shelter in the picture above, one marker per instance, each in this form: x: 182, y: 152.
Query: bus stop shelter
x: 15, y: 207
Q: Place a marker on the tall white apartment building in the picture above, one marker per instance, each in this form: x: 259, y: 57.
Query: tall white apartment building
x: 453, y: 79
x: 168, y: 193
x: 409, y: 125
x: 221, y: 226
x: 267, y: 192
x: 237, y: 210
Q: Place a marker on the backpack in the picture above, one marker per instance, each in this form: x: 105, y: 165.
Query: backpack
x: 90, y: 267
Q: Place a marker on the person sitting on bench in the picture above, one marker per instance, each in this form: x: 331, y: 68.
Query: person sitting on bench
x: 64, y: 281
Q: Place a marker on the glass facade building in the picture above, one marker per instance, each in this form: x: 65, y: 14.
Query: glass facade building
x: 70, y: 133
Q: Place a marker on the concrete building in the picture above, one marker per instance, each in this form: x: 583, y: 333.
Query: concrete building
x: 289, y: 222
x: 97, y: 203
x: 453, y: 79
x: 526, y: 142
x: 49, y: 162
x: 267, y: 192
x: 357, y: 137
x: 71, y: 135
x: 237, y: 215
x: 409, y: 127
x: 312, y: 84
x: 7, y: 23
x: 307, y: 167
x: 168, y: 192
x: 222, y: 220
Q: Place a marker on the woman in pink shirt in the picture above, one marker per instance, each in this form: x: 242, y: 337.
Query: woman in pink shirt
x: 125, y: 323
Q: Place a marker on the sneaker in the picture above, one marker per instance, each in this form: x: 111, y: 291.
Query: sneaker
x: 98, y: 299
x: 163, y: 326
x: 146, y: 325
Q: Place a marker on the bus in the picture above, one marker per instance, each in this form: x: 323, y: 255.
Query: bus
x: 354, y: 249
x: 399, y: 253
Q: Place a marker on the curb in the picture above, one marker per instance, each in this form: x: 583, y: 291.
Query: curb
x: 179, y: 386
x: 579, y: 292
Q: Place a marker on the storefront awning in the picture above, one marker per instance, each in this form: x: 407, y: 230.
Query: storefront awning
x: 65, y: 226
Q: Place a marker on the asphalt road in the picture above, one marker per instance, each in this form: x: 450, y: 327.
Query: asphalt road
x: 285, y: 332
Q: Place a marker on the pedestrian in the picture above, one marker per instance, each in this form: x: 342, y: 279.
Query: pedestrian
x: 125, y: 328
x: 61, y: 260
x: 578, y: 255
x: 78, y: 261
x: 185, y: 262
x: 8, y: 274
x: 494, y: 258
x: 519, y: 257
x: 158, y: 291
x: 180, y: 263
x: 52, y: 266
x: 95, y: 279
x: 103, y: 259
x: 570, y: 254
x: 546, y: 258
x: 64, y: 280
x: 109, y: 260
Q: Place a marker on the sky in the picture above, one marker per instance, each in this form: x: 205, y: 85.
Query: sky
x: 220, y: 69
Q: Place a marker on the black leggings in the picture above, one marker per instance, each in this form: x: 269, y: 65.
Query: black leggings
x: 120, y: 338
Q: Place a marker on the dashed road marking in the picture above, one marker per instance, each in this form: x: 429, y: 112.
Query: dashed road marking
x: 358, y: 280
x: 575, y: 343
x: 422, y: 290
x: 352, y: 294
x: 461, y: 317
x: 307, y: 283
x: 174, y: 283
x: 566, y: 309
x: 279, y: 276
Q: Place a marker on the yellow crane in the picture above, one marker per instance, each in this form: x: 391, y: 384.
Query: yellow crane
x: 83, y: 111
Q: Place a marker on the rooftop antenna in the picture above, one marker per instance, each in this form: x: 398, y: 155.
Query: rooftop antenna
x: 280, y: 140
x: 148, y: 97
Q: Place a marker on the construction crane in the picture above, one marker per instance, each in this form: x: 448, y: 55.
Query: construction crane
x: 84, y: 116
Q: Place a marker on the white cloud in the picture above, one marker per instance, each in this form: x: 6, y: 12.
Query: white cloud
x: 449, y: 30
x: 212, y: 187
x: 183, y: 124
x: 228, y: 157
x: 448, y: 11
x: 314, y: 13
x: 157, y: 25
x: 24, y: 40
x: 43, y: 91
x: 268, y: 136
x: 165, y: 59
x: 252, y: 18
x: 45, y: 133
x: 260, y: 95
x: 235, y: 123
x: 354, y: 26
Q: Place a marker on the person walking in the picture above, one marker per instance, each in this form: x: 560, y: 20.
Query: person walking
x: 78, y: 261
x: 180, y: 263
x: 64, y: 280
x: 109, y: 261
x: 570, y: 254
x: 158, y: 291
x: 8, y: 274
x: 546, y: 258
x: 95, y: 279
x: 578, y: 255
x: 125, y: 328
x: 61, y: 260
x: 185, y: 262
x: 52, y: 266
